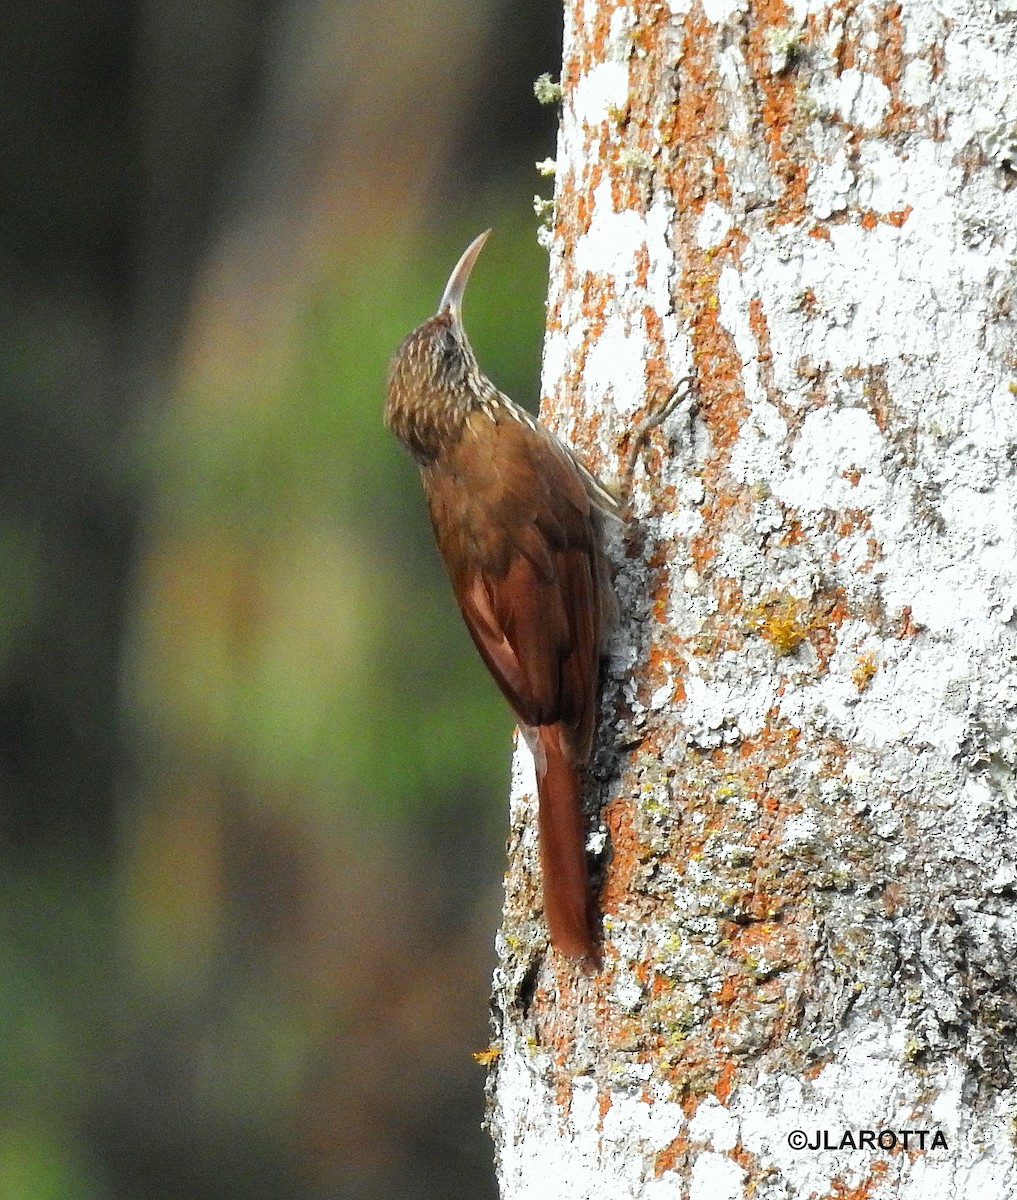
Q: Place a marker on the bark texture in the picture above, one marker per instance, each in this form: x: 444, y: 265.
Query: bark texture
x: 805, y: 784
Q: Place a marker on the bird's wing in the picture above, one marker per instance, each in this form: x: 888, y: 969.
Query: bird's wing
x: 523, y: 558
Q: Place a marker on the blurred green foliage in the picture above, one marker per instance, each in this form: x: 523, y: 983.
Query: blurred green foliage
x: 309, y: 699
x: 252, y: 775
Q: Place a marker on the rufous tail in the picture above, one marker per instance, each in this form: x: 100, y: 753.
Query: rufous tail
x: 568, y: 903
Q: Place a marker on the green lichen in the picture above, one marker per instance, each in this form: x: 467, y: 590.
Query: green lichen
x: 547, y: 90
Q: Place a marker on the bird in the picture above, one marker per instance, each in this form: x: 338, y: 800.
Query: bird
x: 520, y: 525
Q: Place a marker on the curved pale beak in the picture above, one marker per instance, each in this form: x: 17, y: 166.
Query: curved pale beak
x: 452, y: 297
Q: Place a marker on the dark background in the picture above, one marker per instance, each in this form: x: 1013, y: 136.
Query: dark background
x: 252, y: 779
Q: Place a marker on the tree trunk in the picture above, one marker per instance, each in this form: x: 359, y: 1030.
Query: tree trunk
x: 805, y: 773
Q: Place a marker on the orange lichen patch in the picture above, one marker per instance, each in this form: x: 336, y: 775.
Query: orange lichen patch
x: 760, y: 330
x: 729, y: 1004
x: 643, y: 972
x: 793, y: 534
x: 722, y: 399
x: 660, y: 598
x: 853, y: 475
x: 584, y: 200
x: 778, y: 108
x: 702, y: 548
x: 733, y: 246
x: 690, y: 120
x: 627, y: 852
x: 643, y: 271
x: 659, y: 588
x: 815, y: 373
x: 859, y: 1191
x: 660, y: 985
x: 586, y: 429
x: 645, y: 35
x: 726, y: 994
x: 889, y: 52
x: 624, y: 194
x: 695, y: 177
x: 724, y: 628
x: 626, y: 142
x: 672, y: 1156
x: 764, y: 904
x: 719, y: 635
x: 850, y: 520
x: 601, y: 32
x: 658, y: 377
x: 724, y: 1086
x: 820, y: 231
x: 660, y: 659
x: 596, y: 294
x: 870, y: 218
x: 665, y: 664
x: 588, y: 47
x: 744, y: 770
x: 723, y: 181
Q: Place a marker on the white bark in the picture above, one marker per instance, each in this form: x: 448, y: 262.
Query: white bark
x: 809, y: 890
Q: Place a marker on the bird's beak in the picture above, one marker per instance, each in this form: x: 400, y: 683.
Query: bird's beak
x: 452, y: 297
